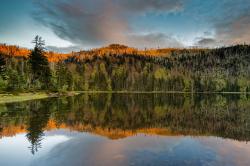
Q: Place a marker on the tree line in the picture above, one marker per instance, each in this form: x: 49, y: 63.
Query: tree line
x: 203, y: 70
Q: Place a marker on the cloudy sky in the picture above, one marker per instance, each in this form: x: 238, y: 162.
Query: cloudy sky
x: 73, y: 24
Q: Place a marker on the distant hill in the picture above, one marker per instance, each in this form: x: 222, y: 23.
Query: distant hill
x: 16, y: 51
x: 122, y: 68
x: 117, y: 49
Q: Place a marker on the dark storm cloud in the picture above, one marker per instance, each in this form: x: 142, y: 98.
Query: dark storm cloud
x: 94, y: 23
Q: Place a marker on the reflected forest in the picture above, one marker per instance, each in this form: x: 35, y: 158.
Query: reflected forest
x: 121, y: 115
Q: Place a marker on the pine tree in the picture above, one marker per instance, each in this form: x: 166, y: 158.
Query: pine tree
x: 39, y: 63
x: 2, y: 65
x: 61, y: 75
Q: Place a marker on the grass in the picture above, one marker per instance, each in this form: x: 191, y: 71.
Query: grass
x: 11, y: 98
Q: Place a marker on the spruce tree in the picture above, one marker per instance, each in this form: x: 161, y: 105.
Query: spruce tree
x: 39, y: 64
x: 2, y: 65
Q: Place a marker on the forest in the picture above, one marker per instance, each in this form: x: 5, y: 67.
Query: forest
x: 121, y: 68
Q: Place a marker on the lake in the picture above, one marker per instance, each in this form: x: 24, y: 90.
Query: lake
x: 127, y: 129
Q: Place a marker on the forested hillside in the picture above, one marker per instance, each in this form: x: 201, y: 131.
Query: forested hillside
x: 120, y: 68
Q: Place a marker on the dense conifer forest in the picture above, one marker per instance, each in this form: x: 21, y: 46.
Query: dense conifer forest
x: 121, y: 68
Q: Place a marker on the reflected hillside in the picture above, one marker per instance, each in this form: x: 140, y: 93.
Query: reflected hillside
x: 121, y: 115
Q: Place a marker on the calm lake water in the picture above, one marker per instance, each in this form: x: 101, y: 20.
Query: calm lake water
x: 127, y: 129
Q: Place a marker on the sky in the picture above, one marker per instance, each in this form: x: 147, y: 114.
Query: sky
x: 73, y: 24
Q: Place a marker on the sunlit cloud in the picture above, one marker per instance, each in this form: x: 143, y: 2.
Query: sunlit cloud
x: 103, y: 21
x: 138, y: 23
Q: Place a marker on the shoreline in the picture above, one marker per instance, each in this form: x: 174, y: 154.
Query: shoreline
x: 11, y: 98
x: 166, y: 92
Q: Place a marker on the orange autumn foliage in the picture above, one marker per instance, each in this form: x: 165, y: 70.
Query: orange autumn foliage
x: 10, y: 50
x: 15, y: 51
x: 117, y: 49
x: 12, y: 130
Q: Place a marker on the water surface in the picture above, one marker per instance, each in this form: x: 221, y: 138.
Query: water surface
x: 127, y: 129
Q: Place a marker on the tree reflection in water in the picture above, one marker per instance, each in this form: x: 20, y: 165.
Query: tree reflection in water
x: 120, y: 115
x: 37, y: 121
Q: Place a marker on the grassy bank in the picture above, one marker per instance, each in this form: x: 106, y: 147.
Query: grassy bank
x: 11, y: 98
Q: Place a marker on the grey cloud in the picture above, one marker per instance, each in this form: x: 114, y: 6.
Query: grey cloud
x: 153, y: 40
x: 151, y: 5
x: 233, y: 27
x: 63, y: 49
x: 94, y: 23
x: 234, y: 31
x: 74, y: 21
x: 206, y: 42
x: 229, y: 21
x: 207, y: 33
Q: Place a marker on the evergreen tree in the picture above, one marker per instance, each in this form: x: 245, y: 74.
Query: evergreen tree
x: 2, y: 65
x: 39, y: 64
x: 38, y: 119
